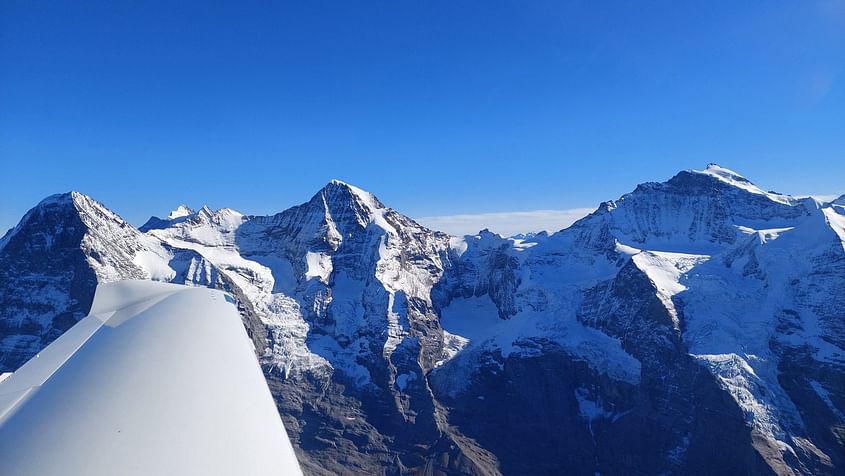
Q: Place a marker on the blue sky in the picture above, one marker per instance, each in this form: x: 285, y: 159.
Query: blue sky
x: 439, y: 108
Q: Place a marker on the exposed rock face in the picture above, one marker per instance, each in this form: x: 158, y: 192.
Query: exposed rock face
x: 691, y: 318
x: 50, y: 264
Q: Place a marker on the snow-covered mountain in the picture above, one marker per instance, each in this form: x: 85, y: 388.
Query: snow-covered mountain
x: 688, y: 318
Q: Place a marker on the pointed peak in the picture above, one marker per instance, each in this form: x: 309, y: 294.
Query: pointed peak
x: 81, y: 202
x: 180, y: 214
x: 204, y: 215
x: 66, y: 198
x: 59, y: 207
x: 486, y: 234
x: 229, y: 212
x: 335, y: 184
x: 75, y: 195
x: 227, y: 218
x: 205, y: 210
x: 218, y: 216
x: 58, y: 198
x: 180, y: 211
x: 338, y: 191
x: 50, y: 204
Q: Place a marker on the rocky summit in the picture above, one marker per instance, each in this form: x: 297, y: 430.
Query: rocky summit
x: 693, y: 326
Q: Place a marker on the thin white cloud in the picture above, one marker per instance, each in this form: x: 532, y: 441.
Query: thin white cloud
x: 505, y: 223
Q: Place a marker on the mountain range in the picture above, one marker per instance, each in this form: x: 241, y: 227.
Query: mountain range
x: 693, y: 326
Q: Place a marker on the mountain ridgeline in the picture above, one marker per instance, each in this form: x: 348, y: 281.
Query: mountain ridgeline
x: 693, y: 326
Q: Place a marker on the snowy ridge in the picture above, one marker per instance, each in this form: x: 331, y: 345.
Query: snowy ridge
x: 727, y: 252
x: 213, y: 236
x: 357, y: 311
x: 734, y: 179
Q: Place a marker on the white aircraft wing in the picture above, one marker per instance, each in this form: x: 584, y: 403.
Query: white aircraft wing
x: 159, y: 379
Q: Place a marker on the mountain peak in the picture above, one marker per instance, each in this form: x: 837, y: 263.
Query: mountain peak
x: 180, y: 211
x: 58, y: 198
x: 338, y: 192
x: 82, y: 204
x: 226, y: 217
x: 205, y: 212
x: 337, y: 182
x: 725, y: 174
x: 729, y: 177
x: 58, y: 201
x: 66, y: 198
x: 65, y: 214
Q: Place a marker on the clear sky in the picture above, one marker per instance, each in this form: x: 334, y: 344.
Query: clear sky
x: 440, y: 108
